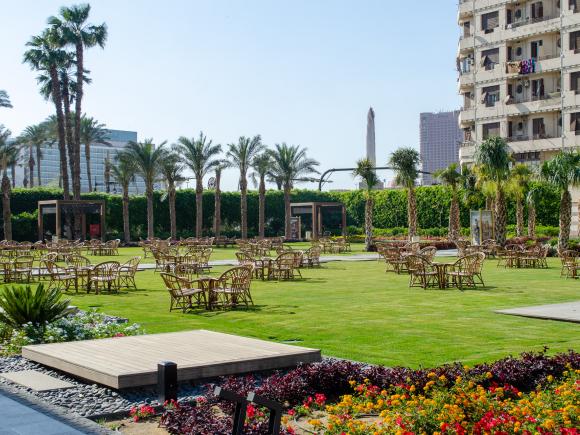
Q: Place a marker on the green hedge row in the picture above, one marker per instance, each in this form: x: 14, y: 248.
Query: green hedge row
x: 390, y: 210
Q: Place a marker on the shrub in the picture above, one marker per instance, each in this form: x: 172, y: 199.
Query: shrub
x: 20, y: 305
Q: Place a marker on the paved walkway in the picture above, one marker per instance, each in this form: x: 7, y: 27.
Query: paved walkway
x: 566, y: 312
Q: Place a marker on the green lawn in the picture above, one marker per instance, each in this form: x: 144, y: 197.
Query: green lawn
x: 355, y: 310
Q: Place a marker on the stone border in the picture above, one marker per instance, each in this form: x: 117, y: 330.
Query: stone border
x: 61, y: 414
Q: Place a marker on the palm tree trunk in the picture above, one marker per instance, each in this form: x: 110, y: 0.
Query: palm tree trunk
x: 244, y: 206
x: 126, y: 227
x: 172, y: 216
x: 150, y: 223
x: 412, y: 212
x: 38, y: 170
x: 500, y: 216
x: 488, y: 203
x: 287, y: 226
x: 25, y: 178
x: 565, y: 220
x: 262, y: 207
x: 31, y: 165
x: 369, y: 222
x: 13, y: 174
x: 78, y: 112
x: 198, y: 206
x: 217, y: 216
x: 454, y: 218
x: 6, y: 211
x: 519, y: 218
x: 57, y: 99
x: 88, y: 160
x: 531, y: 220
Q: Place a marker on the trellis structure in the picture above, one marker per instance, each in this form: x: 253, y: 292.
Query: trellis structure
x: 315, y: 209
x: 60, y: 208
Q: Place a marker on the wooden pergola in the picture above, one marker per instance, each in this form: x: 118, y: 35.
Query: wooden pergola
x: 315, y: 209
x: 59, y: 208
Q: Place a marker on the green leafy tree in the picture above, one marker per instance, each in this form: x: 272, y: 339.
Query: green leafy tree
x: 365, y: 171
x: 405, y: 162
x: 5, y: 99
x: 92, y: 132
x: 241, y: 155
x: 519, y: 183
x: 124, y: 174
x: 493, y: 159
x: 452, y: 178
x: 147, y: 158
x: 563, y: 171
x: 289, y: 162
x: 262, y: 166
x: 172, y: 172
x: 200, y: 155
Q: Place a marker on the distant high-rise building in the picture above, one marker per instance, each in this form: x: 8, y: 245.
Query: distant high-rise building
x: 440, y: 139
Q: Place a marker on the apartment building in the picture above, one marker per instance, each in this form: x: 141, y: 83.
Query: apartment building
x: 519, y: 77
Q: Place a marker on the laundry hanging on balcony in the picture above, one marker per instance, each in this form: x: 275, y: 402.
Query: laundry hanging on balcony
x: 514, y: 67
x: 528, y: 66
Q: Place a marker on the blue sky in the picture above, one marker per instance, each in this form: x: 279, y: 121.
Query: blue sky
x: 300, y: 71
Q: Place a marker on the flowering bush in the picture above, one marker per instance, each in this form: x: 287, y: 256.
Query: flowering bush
x: 459, y: 407
x: 83, y: 325
x: 141, y: 412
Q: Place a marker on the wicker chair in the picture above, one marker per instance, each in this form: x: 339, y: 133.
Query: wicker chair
x: 233, y: 288
x: 421, y: 272
x: 569, y: 261
x: 467, y: 271
x: 283, y: 266
x: 202, y: 259
x: 79, y: 266
x: 182, y: 294
x: 21, y: 269
x: 104, y: 275
x: 428, y: 252
x: 394, y: 260
x: 126, y: 273
x: 59, y: 277
x: 311, y: 257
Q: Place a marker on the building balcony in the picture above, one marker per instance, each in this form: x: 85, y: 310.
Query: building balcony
x: 526, y: 144
x: 467, y: 115
x: 548, y: 103
x: 572, y: 99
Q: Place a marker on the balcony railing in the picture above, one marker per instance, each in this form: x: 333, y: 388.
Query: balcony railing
x: 545, y: 97
x: 524, y: 138
x: 467, y: 143
x: 529, y: 20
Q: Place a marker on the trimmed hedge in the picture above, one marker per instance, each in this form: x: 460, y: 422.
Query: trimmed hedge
x: 390, y: 210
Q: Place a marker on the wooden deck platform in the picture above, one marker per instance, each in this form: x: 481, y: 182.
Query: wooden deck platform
x: 132, y: 361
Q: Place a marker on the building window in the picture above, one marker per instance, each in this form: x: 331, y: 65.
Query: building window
x: 575, y: 40
x: 535, y: 48
x: 537, y: 11
x: 575, y: 123
x: 490, y: 130
x: 490, y: 58
x: 538, y: 128
x: 575, y: 81
x: 538, y: 91
x: 489, y: 21
x: 573, y: 5
x: 490, y: 95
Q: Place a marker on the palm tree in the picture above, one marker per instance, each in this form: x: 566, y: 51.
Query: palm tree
x: 241, y: 156
x: 451, y: 177
x: 288, y: 163
x: 124, y: 174
x: 5, y: 99
x: 405, y: 162
x: 74, y: 30
x: 8, y: 156
x: 217, y: 214
x: 147, y: 157
x: 493, y: 160
x: 532, y: 199
x: 92, y: 132
x: 519, y: 183
x: 262, y: 165
x: 365, y: 170
x: 44, y: 56
x: 171, y: 170
x: 200, y: 156
x: 563, y: 171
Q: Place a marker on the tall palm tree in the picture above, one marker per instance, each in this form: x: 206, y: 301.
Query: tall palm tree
x: 532, y: 199
x: 365, y: 170
x: 5, y: 99
x: 262, y: 166
x: 147, y: 157
x: 8, y: 156
x: 290, y: 162
x: 44, y: 56
x: 493, y: 159
x: 124, y: 174
x: 92, y: 132
x: 405, y: 162
x: 451, y: 177
x: 172, y: 172
x: 563, y: 171
x: 74, y: 30
x: 241, y: 156
x: 200, y: 155
x: 519, y: 183
x: 33, y: 136
x: 217, y: 213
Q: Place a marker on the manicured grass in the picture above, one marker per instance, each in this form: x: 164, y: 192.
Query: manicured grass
x: 355, y: 310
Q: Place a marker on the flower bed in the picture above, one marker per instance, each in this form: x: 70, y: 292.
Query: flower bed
x: 306, y: 390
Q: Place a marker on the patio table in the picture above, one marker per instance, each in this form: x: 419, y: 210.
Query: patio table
x: 207, y: 284
x: 441, y: 269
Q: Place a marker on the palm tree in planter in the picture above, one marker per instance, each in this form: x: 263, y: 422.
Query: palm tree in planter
x: 519, y: 183
x: 262, y: 165
x: 5, y: 99
x: 493, y: 160
x: 124, y: 174
x: 147, y: 157
x: 451, y: 177
x: 8, y: 157
x: 563, y: 171
x: 172, y: 172
x: 200, y: 155
x: 405, y: 162
x: 366, y: 172
x: 217, y: 213
x: 289, y: 162
x: 241, y: 156
x: 92, y: 132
